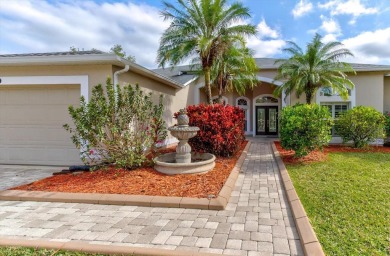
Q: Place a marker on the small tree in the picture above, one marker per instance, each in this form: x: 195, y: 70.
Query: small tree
x: 305, y: 128
x: 361, y: 125
x: 117, y: 126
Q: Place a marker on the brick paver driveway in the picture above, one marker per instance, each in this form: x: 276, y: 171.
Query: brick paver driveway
x: 15, y: 175
x: 257, y: 220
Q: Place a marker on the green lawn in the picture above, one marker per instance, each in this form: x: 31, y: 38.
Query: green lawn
x: 22, y: 251
x: 347, y: 200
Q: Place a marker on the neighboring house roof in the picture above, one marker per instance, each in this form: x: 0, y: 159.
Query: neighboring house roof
x: 82, y: 57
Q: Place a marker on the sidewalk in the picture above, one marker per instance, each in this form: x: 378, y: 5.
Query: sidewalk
x: 257, y: 220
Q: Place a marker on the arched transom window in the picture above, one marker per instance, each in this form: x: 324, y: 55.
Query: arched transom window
x: 242, y: 102
x: 267, y: 99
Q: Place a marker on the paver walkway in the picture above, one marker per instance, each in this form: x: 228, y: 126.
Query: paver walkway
x: 257, y: 220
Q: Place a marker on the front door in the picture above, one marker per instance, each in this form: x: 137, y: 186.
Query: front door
x: 266, y: 120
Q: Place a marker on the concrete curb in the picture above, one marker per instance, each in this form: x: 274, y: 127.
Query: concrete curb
x: 96, y: 248
x: 218, y: 203
x: 310, y: 244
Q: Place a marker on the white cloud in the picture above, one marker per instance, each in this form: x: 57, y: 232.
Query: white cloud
x: 265, y: 31
x: 330, y: 26
x: 268, y: 41
x: 351, y: 7
x: 370, y: 47
x: 302, y: 8
x: 36, y: 26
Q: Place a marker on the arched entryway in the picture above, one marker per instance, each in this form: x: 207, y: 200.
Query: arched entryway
x: 265, y: 115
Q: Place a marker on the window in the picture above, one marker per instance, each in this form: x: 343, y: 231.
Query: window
x: 224, y: 100
x: 336, y: 109
x: 243, y: 103
x: 266, y: 99
x: 328, y: 91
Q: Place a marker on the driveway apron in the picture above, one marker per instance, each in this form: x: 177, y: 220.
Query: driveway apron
x: 256, y: 221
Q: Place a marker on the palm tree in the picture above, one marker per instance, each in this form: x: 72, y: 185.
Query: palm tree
x: 319, y: 66
x: 200, y: 29
x: 235, y: 70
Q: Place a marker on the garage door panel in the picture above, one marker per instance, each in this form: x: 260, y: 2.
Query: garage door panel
x: 31, y: 120
x: 34, y: 135
x: 35, y: 115
x: 53, y: 156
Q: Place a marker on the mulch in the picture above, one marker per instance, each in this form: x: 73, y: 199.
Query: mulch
x: 320, y: 156
x: 141, y: 181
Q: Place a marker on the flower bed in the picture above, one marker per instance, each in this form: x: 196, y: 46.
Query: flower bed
x: 141, y: 181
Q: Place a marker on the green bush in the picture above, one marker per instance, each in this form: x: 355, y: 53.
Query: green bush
x: 305, y: 128
x: 361, y: 125
x: 387, y: 123
x: 117, y: 126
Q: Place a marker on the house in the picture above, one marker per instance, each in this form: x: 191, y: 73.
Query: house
x: 36, y: 90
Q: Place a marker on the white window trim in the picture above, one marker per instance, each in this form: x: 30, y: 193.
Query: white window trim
x: 247, y: 107
x: 46, y: 80
x: 262, y: 104
x: 335, y: 98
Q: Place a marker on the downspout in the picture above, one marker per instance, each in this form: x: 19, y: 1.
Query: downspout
x: 117, y: 73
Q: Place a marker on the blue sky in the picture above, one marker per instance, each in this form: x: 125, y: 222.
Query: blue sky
x: 363, y: 26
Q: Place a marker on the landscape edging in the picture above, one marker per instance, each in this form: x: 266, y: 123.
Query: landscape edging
x: 217, y: 203
x: 95, y: 248
x: 309, y: 241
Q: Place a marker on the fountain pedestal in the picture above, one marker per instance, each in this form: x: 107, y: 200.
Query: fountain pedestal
x: 183, y: 161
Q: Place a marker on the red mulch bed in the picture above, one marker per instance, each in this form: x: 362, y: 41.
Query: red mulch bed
x: 141, y: 181
x: 319, y: 156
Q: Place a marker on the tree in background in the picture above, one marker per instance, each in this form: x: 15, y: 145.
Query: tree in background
x: 234, y: 70
x: 118, y: 50
x: 199, y: 30
x: 319, y: 66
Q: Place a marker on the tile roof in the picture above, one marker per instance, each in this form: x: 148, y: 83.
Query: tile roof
x: 180, y: 74
x: 69, y: 53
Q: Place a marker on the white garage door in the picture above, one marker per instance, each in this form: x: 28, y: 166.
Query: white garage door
x: 31, y: 119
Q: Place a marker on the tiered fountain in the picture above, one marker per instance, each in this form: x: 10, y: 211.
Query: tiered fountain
x: 183, y: 161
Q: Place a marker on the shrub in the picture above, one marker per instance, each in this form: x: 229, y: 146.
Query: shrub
x: 304, y: 128
x: 117, y: 126
x: 221, y: 128
x: 387, y: 123
x: 361, y: 125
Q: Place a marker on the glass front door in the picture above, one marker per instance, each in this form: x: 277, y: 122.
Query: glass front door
x: 266, y: 120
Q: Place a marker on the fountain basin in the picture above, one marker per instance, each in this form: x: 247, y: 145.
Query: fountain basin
x: 200, y: 163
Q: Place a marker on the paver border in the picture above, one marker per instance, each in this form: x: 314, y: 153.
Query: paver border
x: 309, y: 241
x: 218, y: 203
x: 96, y: 248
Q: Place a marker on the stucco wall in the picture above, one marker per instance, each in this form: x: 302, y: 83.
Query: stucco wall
x: 386, y: 94
x: 369, y: 89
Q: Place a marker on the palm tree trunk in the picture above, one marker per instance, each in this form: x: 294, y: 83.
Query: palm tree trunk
x: 309, y: 95
x: 207, y: 85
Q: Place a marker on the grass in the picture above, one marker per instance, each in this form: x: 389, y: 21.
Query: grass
x: 24, y: 251
x: 347, y: 199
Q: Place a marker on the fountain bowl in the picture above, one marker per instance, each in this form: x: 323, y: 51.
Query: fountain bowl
x: 200, y: 163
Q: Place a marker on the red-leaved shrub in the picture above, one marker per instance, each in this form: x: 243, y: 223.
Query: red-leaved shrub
x: 221, y: 128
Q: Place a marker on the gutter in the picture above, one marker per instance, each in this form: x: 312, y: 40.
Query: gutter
x: 117, y: 73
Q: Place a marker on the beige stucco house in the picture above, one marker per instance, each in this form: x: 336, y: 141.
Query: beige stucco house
x: 36, y: 90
